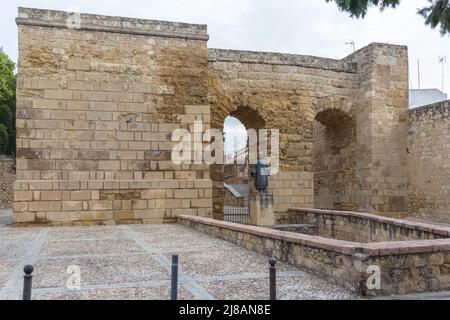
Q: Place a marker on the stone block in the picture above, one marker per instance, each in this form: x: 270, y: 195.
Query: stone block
x: 51, y: 195
x: 81, y: 195
x: 24, y: 217
x: 100, y: 205
x: 72, y: 205
x: 153, y: 194
x: 23, y: 196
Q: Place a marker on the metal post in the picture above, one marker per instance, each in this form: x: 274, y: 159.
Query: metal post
x: 28, y: 269
x: 273, y: 279
x: 174, y: 278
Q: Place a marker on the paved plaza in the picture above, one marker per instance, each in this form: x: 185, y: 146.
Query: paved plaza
x: 133, y: 262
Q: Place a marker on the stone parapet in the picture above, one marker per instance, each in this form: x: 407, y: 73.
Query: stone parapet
x: 93, y: 22
x: 274, y: 58
x: 363, y: 227
x: 345, y: 263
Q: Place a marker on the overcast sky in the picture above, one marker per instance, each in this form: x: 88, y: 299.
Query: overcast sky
x: 311, y: 27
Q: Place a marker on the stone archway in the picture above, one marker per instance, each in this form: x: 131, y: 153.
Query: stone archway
x: 237, y: 106
x: 251, y: 119
x: 334, y: 161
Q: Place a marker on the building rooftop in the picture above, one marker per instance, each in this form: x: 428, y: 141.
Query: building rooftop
x: 423, y: 97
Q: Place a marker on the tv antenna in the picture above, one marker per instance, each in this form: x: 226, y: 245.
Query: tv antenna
x: 418, y: 73
x: 443, y: 60
x: 351, y: 43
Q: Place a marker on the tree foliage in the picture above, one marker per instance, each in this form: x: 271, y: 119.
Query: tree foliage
x: 5, y: 115
x: 4, y: 140
x: 7, y: 105
x: 7, y: 79
x: 436, y: 14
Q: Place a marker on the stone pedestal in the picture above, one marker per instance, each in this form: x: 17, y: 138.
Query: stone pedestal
x: 261, y: 210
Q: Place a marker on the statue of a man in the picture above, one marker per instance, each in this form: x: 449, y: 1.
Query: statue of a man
x: 260, y: 172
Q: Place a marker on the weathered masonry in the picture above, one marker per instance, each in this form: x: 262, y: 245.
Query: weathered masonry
x: 96, y: 107
x: 429, y: 162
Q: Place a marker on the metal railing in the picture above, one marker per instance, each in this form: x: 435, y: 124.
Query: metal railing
x: 236, y: 214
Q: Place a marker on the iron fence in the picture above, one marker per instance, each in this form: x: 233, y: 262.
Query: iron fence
x: 236, y: 214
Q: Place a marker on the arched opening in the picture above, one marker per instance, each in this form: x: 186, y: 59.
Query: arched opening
x: 235, y: 171
x: 334, y: 133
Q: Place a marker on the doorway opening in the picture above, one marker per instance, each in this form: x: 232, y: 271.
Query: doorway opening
x: 235, y: 171
x: 334, y: 160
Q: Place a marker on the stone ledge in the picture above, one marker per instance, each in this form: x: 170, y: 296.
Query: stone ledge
x: 442, y: 108
x: 372, y: 46
x: 257, y: 57
x: 338, y: 246
x: 92, y: 22
x: 322, y: 243
x: 401, y: 223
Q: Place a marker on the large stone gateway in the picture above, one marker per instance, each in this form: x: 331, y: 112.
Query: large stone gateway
x: 97, y: 104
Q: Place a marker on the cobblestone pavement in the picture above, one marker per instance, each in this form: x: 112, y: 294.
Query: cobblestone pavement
x: 133, y: 262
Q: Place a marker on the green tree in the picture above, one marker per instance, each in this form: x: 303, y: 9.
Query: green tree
x: 436, y: 14
x: 7, y: 79
x: 7, y: 105
x: 5, y: 115
x: 4, y: 140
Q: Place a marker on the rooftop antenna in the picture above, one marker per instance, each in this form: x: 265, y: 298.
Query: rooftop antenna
x: 351, y: 43
x: 418, y: 72
x: 443, y: 60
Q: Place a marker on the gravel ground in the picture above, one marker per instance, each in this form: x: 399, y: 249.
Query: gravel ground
x: 133, y: 262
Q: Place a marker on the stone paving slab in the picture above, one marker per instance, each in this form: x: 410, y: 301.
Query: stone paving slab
x: 81, y: 246
x: 98, y: 270
x: 238, y: 261
x: 133, y: 262
x: 133, y: 293
x: 5, y: 217
x: 6, y: 270
x: 86, y: 233
x: 296, y: 287
x: 14, y: 234
x: 13, y: 249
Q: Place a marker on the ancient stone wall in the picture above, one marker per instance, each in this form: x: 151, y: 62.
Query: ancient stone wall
x: 406, y: 266
x: 429, y: 162
x: 369, y: 92
x: 360, y: 227
x: 7, y: 177
x: 278, y: 91
x: 97, y: 105
x: 96, y: 109
x: 380, y: 107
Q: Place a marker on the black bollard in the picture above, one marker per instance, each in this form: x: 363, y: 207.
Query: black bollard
x: 273, y: 279
x: 28, y: 269
x: 174, y: 278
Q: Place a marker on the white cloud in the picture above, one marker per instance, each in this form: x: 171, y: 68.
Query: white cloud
x: 235, y: 135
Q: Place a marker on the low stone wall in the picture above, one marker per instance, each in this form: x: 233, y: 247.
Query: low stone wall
x: 406, y: 266
x: 361, y: 227
x: 8, y: 175
x: 93, y: 202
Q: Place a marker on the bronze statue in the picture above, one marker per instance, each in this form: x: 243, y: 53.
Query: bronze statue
x: 260, y: 172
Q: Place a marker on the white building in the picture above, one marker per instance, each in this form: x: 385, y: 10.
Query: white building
x: 423, y: 97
